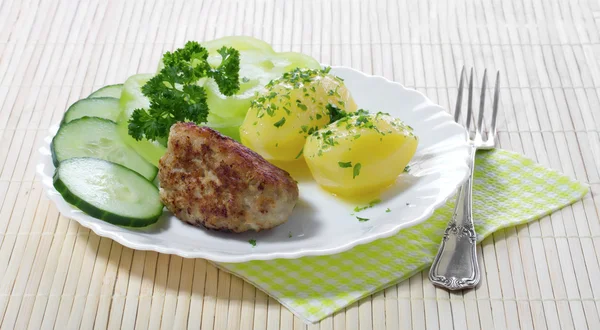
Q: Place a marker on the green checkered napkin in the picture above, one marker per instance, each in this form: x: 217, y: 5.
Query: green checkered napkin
x: 509, y: 189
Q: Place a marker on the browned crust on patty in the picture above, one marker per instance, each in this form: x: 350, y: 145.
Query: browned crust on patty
x: 211, y: 180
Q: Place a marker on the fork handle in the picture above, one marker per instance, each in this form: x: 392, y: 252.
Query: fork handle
x: 455, y: 266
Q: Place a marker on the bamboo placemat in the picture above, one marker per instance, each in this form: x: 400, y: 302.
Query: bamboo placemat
x: 55, y: 273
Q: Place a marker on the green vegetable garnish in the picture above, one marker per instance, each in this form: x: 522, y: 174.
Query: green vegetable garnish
x: 335, y: 113
x: 280, y: 122
x: 301, y: 106
x: 370, y: 205
x: 388, y: 210
x: 175, y: 96
x: 252, y: 242
x: 328, y: 138
x: 298, y: 77
x: 300, y: 153
x: 362, y: 219
x: 345, y: 164
x: 407, y: 168
x: 356, y: 171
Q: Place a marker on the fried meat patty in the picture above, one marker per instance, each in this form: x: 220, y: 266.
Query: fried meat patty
x: 207, y: 179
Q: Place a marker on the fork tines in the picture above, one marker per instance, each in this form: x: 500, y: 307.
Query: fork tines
x: 470, y: 114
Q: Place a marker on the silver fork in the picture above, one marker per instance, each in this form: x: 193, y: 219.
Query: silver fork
x: 455, y: 266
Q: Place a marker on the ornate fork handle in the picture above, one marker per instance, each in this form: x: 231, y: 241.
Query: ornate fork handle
x: 455, y: 266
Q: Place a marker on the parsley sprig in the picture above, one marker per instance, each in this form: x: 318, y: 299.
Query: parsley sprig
x: 335, y: 113
x: 174, y: 94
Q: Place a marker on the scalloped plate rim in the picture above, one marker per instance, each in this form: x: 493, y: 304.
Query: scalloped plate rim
x: 73, y: 213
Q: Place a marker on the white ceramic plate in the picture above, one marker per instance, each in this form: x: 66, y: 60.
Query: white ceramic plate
x: 321, y: 224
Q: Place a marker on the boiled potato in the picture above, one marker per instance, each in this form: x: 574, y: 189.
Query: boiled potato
x: 291, y: 108
x: 360, y: 154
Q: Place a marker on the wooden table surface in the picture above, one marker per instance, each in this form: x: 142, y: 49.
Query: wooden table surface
x: 55, y: 273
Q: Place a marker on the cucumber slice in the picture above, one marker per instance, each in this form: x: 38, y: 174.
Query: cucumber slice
x: 231, y: 131
x: 288, y: 61
x: 108, y: 191
x: 132, y: 96
x: 97, y: 138
x: 240, y: 43
x: 101, y: 107
x: 108, y: 91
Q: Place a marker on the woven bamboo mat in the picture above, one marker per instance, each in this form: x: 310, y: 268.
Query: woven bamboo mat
x: 55, y: 273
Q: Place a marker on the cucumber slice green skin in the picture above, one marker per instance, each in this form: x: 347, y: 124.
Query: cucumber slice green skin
x: 96, y: 212
x: 132, y: 158
x: 101, y: 107
x: 107, y: 91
